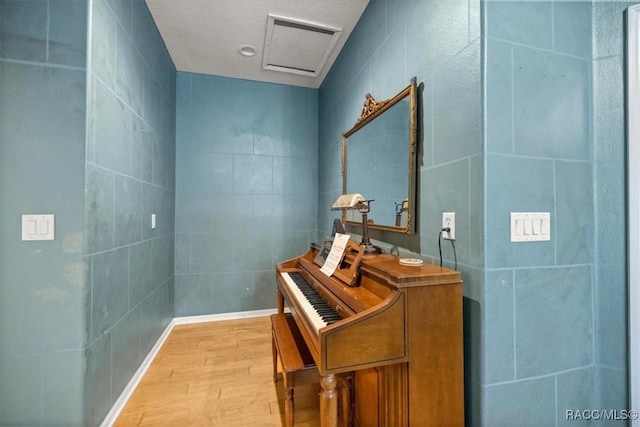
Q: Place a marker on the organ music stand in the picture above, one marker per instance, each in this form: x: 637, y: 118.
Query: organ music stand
x: 349, y: 275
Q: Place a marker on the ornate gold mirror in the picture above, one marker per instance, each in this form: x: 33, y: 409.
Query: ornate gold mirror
x: 379, y: 162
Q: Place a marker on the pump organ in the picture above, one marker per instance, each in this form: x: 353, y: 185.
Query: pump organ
x: 397, y: 333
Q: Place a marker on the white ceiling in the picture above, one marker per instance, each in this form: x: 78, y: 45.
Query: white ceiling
x: 203, y: 36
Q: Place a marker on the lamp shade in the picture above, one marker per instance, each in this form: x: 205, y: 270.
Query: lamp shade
x: 348, y: 201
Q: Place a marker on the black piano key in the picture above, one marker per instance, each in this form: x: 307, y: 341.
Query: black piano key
x: 324, y: 310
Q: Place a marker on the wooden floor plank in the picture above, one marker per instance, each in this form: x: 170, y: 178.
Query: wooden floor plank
x: 216, y: 374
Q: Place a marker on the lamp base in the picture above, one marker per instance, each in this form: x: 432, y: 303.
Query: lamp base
x: 370, y: 248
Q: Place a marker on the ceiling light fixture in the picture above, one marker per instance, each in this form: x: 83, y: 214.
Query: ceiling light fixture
x: 247, y: 50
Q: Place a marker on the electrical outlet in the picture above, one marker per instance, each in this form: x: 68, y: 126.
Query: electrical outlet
x: 449, y: 221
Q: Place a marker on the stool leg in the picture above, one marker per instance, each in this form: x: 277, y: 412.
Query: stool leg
x: 289, y: 408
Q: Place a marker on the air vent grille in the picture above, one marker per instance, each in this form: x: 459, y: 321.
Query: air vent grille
x: 296, y: 46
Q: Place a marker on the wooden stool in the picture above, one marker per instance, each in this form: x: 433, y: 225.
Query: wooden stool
x: 298, y: 367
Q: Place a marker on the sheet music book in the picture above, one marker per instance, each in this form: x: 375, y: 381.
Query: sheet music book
x: 335, y: 254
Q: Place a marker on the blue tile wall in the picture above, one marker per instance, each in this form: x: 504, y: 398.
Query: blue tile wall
x: 506, y: 177
x: 549, y: 137
x: 575, y: 390
x: 62, y: 381
x: 42, y: 155
x: 572, y: 20
x: 438, y: 42
x: 130, y: 176
x: 527, y: 403
x: 499, y: 326
x: 22, y: 382
x: 610, y: 285
x: 499, y: 99
x: 539, y: 152
x: 613, y: 390
x: 550, y: 78
x: 98, y: 385
x: 246, y: 189
x: 553, y: 320
x: 555, y: 143
x: 24, y: 30
x: 527, y: 23
x: 450, y: 101
x: 574, y: 231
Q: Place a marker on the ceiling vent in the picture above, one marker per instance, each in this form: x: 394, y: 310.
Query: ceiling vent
x: 298, y: 47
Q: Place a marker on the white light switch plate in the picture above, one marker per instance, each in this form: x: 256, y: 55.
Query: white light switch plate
x: 38, y: 227
x: 530, y: 226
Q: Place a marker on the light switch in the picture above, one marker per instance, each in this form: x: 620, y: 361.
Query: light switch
x: 43, y: 227
x: 544, y: 226
x: 38, y: 227
x: 530, y: 226
x: 153, y: 221
x: 535, y: 227
x: 519, y: 227
x: 32, y: 227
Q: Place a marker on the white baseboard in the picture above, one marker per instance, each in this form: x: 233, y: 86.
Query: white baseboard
x: 124, y: 397
x: 224, y: 316
x: 122, y: 400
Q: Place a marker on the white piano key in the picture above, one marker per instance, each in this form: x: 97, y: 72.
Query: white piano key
x: 310, y: 312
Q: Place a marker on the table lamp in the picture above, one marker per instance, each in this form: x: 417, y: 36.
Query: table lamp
x: 356, y: 201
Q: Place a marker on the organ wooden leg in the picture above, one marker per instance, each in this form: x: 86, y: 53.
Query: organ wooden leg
x: 280, y: 301
x: 288, y: 407
x: 346, y: 402
x: 328, y: 402
x: 274, y: 355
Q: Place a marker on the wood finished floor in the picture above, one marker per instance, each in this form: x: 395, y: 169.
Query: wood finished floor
x: 216, y: 374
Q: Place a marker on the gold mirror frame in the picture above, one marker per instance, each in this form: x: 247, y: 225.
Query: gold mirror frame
x: 372, y: 110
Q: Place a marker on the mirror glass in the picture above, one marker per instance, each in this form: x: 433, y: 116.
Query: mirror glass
x: 379, y: 161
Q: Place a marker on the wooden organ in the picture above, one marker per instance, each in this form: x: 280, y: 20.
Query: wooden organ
x: 397, y: 332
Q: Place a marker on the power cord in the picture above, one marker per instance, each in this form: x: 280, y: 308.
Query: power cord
x: 453, y: 245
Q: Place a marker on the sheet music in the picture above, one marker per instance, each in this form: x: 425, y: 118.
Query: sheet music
x: 335, y: 254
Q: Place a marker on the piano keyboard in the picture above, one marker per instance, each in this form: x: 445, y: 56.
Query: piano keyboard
x: 317, y: 310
